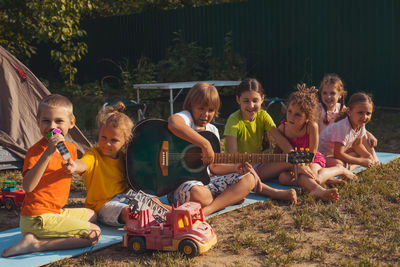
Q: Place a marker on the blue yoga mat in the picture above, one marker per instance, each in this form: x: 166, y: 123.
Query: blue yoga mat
x: 8, y: 238
x: 110, y: 236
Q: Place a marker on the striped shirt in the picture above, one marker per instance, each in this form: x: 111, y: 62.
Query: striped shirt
x: 331, y: 114
x: 338, y: 132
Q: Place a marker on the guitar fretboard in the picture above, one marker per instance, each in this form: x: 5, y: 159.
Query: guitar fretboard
x: 242, y: 157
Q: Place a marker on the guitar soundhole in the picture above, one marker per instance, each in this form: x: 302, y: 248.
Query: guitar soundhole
x: 192, y: 158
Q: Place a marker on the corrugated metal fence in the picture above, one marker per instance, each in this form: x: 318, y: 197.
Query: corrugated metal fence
x: 283, y: 41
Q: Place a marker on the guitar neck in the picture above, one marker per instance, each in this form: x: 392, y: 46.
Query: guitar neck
x: 254, y: 158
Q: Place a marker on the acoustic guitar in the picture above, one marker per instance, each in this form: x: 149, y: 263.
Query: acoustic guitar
x: 157, y: 161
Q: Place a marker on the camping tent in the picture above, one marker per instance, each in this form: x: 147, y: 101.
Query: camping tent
x: 20, y: 95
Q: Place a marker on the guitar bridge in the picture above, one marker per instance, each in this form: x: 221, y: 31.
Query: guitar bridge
x: 164, y: 158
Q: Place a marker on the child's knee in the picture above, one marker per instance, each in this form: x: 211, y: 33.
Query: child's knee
x: 94, y: 234
x: 201, y: 194
x: 92, y: 216
x: 124, y: 214
x: 249, y: 181
x: 333, y: 162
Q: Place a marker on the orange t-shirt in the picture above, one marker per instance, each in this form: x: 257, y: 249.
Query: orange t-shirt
x: 52, y: 191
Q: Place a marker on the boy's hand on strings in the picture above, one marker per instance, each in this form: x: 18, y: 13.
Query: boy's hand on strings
x: 207, y: 154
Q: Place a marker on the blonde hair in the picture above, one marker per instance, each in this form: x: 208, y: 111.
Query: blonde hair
x: 203, y: 94
x: 333, y: 80
x: 113, y: 116
x: 56, y: 101
x: 306, y: 99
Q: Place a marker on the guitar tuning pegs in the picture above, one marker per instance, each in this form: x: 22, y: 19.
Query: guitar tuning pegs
x: 307, y: 149
x: 295, y: 148
x: 301, y: 149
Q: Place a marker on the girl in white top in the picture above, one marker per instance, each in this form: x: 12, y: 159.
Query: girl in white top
x: 343, y: 142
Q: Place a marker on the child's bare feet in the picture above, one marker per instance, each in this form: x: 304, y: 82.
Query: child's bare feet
x: 335, y: 181
x: 289, y: 194
x: 27, y: 244
x: 348, y: 174
x: 331, y: 194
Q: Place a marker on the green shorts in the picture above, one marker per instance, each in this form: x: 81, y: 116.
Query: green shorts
x: 69, y: 223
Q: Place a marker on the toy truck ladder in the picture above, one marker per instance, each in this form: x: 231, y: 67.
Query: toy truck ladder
x: 142, y: 201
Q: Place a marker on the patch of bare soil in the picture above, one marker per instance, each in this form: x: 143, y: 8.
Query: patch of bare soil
x: 9, y: 219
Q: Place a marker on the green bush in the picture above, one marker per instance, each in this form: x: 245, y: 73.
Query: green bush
x: 183, y: 62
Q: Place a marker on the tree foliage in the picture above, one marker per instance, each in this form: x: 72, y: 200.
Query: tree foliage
x: 107, y: 8
x: 24, y: 24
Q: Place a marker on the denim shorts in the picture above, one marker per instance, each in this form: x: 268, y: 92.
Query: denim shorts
x: 109, y: 213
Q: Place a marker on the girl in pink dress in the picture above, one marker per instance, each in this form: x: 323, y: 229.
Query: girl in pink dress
x: 301, y: 129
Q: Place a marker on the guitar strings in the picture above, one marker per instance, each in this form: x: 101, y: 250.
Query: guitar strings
x: 242, y: 158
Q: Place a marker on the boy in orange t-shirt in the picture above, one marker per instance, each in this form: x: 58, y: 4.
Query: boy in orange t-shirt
x: 44, y: 223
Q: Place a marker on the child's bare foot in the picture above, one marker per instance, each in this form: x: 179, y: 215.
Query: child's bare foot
x: 348, y: 174
x: 292, y: 196
x: 331, y: 194
x: 335, y: 181
x: 259, y: 184
x: 289, y: 194
x: 27, y: 244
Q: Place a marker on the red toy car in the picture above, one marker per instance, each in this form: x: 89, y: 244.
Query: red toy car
x: 184, y: 230
x: 11, y: 197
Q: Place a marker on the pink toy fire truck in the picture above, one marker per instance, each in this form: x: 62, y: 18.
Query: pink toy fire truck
x: 183, y: 230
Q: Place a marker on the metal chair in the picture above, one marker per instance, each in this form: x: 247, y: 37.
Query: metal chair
x: 272, y: 100
x: 131, y: 104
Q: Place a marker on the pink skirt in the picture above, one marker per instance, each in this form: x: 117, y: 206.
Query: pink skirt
x: 320, y: 159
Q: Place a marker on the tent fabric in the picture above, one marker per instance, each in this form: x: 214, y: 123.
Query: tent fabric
x: 21, y: 93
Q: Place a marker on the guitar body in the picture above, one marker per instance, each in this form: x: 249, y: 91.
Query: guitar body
x: 184, y: 160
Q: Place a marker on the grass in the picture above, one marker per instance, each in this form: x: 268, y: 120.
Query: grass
x: 361, y: 229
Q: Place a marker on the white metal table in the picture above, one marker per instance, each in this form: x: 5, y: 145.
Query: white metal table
x: 177, y: 86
